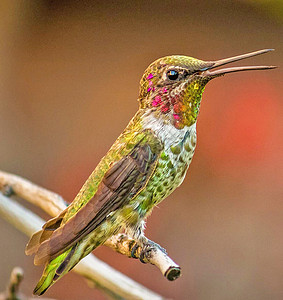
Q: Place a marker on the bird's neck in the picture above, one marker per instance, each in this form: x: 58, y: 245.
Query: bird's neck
x: 164, y: 129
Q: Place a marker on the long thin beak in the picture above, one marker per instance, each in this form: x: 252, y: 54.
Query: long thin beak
x: 225, y: 61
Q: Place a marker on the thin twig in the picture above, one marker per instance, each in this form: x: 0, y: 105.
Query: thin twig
x: 53, y: 204
x: 90, y: 267
x: 12, y: 292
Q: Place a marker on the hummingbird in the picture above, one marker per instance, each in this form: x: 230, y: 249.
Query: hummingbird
x: 146, y: 163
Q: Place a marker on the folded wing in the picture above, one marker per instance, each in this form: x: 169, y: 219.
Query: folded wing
x: 120, y: 184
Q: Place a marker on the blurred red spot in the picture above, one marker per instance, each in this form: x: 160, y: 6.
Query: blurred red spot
x: 249, y: 123
x: 246, y: 124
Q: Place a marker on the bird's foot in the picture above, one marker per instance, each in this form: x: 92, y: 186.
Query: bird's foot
x: 147, y: 247
x: 134, y: 250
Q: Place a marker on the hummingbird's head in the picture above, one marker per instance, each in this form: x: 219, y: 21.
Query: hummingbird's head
x: 172, y: 86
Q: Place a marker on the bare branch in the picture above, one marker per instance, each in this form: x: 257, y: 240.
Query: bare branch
x: 123, y: 244
x: 12, y: 292
x: 53, y: 204
x: 90, y: 267
x: 48, y: 201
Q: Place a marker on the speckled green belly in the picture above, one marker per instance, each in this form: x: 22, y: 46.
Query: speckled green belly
x: 168, y: 175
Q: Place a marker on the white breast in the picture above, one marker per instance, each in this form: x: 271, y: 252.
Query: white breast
x: 167, y: 133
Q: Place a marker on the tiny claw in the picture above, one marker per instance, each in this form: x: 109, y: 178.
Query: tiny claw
x: 146, y: 251
x: 142, y: 256
x: 133, y: 251
x: 147, y: 248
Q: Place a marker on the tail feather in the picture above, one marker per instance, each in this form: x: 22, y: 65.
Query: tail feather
x: 34, y: 242
x: 42, y: 236
x: 55, y: 269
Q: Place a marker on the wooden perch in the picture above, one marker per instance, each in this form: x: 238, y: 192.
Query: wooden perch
x: 12, y: 291
x: 90, y: 267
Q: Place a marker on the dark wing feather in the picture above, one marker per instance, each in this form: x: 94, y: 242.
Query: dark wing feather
x: 44, y: 234
x: 120, y: 184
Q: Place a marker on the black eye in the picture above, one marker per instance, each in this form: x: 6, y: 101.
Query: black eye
x: 172, y: 74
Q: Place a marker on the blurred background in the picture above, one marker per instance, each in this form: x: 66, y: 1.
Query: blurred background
x: 69, y: 78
